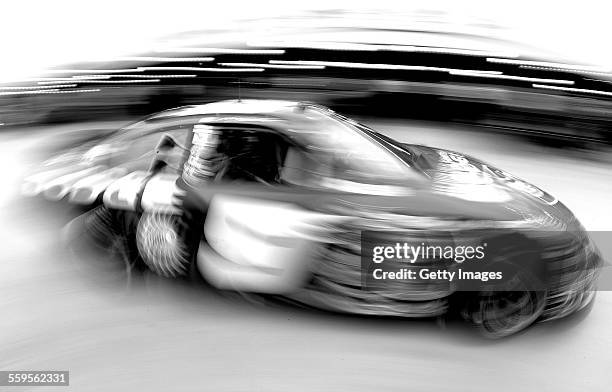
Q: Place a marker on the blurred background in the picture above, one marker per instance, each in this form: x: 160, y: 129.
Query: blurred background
x: 525, y: 86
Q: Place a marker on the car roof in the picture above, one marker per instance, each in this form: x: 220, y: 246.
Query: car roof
x: 260, y: 107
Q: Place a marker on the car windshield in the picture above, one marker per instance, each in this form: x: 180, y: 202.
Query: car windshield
x: 338, y: 143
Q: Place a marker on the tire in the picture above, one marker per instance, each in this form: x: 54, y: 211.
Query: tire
x: 162, y: 242
x: 501, y: 314
x: 501, y: 310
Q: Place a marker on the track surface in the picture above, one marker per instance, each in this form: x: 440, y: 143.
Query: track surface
x: 169, y: 336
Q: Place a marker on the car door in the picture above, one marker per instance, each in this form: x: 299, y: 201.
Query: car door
x: 259, y: 234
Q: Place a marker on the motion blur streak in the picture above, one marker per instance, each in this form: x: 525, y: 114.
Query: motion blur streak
x: 278, y: 66
x: 98, y: 81
x: 222, y: 51
x: 376, y: 47
x: 92, y: 70
x: 549, y: 65
x: 36, y: 87
x: 575, y: 90
x: 168, y: 59
x: 50, y: 91
x: 204, y: 69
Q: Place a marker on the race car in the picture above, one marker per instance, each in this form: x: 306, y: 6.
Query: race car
x: 289, y: 199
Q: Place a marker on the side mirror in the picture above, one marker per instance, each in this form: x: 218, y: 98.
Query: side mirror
x: 156, y: 166
x: 167, y: 142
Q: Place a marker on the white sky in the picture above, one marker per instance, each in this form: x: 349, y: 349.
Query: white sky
x: 36, y: 35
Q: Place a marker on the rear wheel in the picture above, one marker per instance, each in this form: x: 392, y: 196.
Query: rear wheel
x: 161, y: 242
x: 168, y: 243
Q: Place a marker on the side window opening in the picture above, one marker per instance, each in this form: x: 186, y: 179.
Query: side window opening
x: 227, y: 154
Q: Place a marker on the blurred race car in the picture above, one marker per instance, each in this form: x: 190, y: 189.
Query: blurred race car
x: 274, y: 197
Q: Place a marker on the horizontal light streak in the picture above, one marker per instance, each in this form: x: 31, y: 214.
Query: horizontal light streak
x: 344, y: 64
x: 548, y: 64
x: 602, y: 73
x: 51, y: 91
x: 108, y: 81
x: 453, y: 71
x: 274, y: 66
x: 318, y: 45
x: 378, y: 47
x: 156, y: 76
x: 201, y: 69
x: 221, y: 50
x: 167, y: 59
x: 93, y: 71
x: 74, y: 79
x: 432, y: 49
x: 513, y: 77
x: 77, y: 78
x: 573, y: 90
x: 36, y: 87
x: 68, y: 79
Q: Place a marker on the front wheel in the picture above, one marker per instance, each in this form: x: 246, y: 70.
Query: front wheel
x: 500, y: 311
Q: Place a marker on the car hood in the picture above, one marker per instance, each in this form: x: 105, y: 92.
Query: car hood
x: 480, y: 188
x: 464, y: 176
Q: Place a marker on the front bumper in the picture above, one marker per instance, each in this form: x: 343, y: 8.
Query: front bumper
x: 573, y: 282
